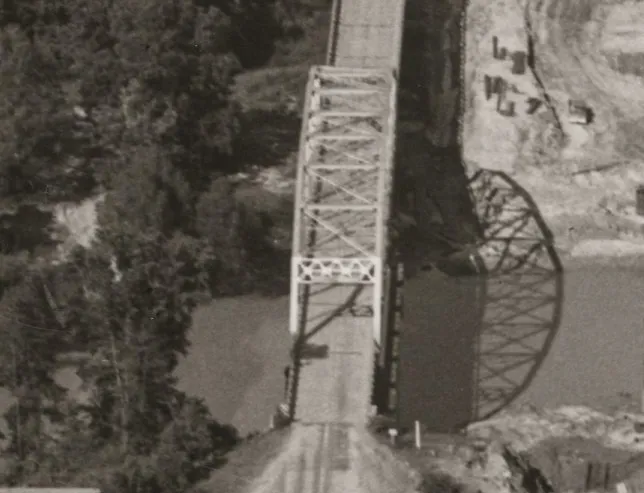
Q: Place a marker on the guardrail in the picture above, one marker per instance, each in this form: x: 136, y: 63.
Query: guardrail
x: 333, y: 32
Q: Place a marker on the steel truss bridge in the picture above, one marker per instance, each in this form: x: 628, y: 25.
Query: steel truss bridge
x: 341, y: 264
x: 340, y: 271
x: 346, y: 278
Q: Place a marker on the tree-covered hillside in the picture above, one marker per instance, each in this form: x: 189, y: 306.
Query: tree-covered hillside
x: 137, y: 100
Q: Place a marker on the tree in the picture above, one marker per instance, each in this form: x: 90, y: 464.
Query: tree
x: 256, y: 26
x: 180, y: 74
x: 13, y: 268
x: 128, y: 303
x: 190, y: 446
x: 29, y: 343
x: 83, y: 86
x: 141, y: 290
x: 39, y: 128
x: 218, y: 221
x: 245, y: 226
x: 134, y: 97
x: 148, y: 193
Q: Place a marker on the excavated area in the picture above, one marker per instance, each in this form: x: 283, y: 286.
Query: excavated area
x: 530, y: 451
x: 581, y: 177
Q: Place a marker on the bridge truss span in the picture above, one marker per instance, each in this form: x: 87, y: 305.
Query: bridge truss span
x: 340, y: 259
x: 342, y: 197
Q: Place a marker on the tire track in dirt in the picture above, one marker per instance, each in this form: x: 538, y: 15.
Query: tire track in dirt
x: 569, y: 56
x: 563, y: 74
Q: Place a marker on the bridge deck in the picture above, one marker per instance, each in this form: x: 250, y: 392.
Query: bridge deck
x: 340, y: 247
x: 368, y: 34
x: 335, y: 383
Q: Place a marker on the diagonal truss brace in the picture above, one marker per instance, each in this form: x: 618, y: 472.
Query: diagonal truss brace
x: 337, y: 233
x: 346, y: 189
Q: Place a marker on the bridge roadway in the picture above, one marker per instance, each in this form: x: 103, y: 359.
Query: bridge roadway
x: 339, y: 252
x: 337, y: 387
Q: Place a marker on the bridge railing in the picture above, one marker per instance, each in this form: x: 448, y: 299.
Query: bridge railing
x: 333, y: 31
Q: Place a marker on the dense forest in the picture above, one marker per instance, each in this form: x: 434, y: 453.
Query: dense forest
x: 133, y: 99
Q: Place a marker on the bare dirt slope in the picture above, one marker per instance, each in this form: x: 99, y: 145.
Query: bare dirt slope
x: 310, y: 463
x: 582, y: 178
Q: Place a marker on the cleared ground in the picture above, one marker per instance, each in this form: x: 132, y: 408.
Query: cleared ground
x: 582, y: 178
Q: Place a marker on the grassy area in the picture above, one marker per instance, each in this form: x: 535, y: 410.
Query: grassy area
x: 281, y: 83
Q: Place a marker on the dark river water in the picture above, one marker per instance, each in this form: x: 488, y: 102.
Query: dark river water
x: 472, y: 347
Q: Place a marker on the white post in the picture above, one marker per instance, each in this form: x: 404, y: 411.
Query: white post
x: 417, y: 426
x: 475, y: 264
x: 393, y: 433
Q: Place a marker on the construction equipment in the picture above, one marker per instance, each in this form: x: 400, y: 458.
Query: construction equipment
x: 578, y: 112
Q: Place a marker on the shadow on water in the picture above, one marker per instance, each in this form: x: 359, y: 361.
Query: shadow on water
x: 472, y: 342
x: 484, y: 288
x: 522, y: 292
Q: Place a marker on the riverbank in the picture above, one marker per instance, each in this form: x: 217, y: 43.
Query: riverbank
x: 581, y: 177
x: 529, y: 449
x: 617, y: 254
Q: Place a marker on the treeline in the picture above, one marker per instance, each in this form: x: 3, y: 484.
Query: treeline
x: 132, y: 98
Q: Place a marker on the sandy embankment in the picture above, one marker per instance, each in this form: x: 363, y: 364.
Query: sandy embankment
x: 582, y: 178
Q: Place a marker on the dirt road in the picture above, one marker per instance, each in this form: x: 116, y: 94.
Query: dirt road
x: 331, y: 458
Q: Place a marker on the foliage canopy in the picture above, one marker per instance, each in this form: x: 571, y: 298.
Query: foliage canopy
x: 129, y: 98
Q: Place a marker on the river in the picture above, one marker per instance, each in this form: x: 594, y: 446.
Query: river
x: 240, y: 347
x: 583, y: 348
x: 470, y: 348
x: 571, y: 338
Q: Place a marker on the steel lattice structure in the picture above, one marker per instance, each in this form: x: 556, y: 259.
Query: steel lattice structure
x: 343, y: 191
x: 340, y: 270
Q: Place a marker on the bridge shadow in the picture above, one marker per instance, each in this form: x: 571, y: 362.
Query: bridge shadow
x: 479, y: 321
x: 522, y: 291
x: 483, y: 286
